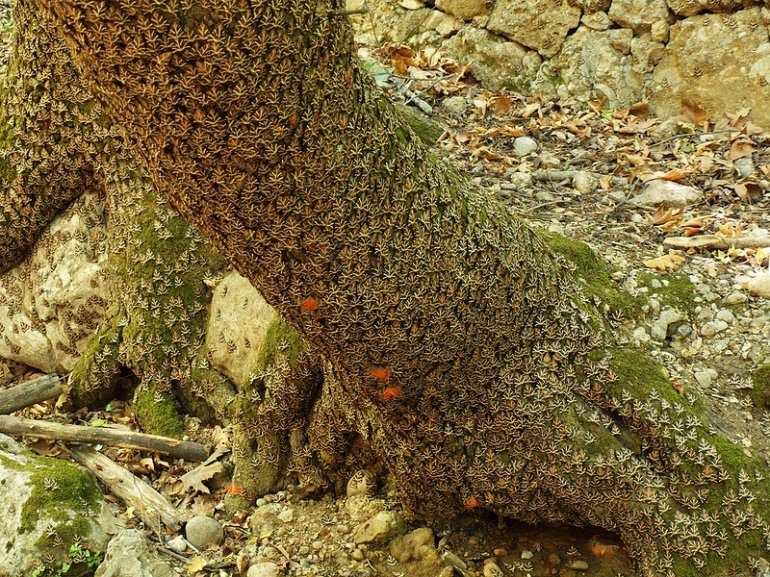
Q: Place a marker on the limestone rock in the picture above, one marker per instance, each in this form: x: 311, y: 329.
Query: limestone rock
x: 639, y: 15
x: 760, y: 285
x: 237, y: 326
x: 596, y: 20
x: 202, y: 531
x: 379, y: 528
x: 667, y: 193
x: 465, y: 9
x: 265, y: 569
x: 418, y: 544
x: 51, y: 303
x: 646, y: 53
x: 130, y: 554
x: 498, y: 63
x: 455, y: 105
x: 589, y: 6
x: 538, y: 24
x: 719, y: 62
x: 524, y: 145
x: 590, y: 65
x: 444, y: 24
x: 45, y: 505
x: 693, y: 7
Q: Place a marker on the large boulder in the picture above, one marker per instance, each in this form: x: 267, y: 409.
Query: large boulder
x: 594, y: 63
x: 51, y: 303
x: 47, y: 506
x: 721, y: 63
x: 539, y: 24
x: 497, y: 62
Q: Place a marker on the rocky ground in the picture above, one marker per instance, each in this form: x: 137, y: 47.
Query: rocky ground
x: 679, y: 210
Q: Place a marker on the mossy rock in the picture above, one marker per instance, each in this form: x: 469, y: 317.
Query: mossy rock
x: 760, y: 389
x: 47, y: 507
x: 675, y: 289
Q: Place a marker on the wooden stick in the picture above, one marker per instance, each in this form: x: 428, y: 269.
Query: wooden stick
x: 93, y: 435
x: 29, y: 393
x: 717, y: 241
x: 149, y: 505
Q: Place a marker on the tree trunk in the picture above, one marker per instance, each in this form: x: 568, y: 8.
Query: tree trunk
x: 454, y: 342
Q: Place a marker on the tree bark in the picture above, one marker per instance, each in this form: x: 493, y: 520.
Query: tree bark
x: 454, y: 341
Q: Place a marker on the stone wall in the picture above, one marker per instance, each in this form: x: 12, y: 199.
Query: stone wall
x: 711, y: 53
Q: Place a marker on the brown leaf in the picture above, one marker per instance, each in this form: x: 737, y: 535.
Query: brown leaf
x: 741, y: 190
x: 667, y: 262
x: 693, y: 112
x: 194, y: 479
x: 501, y: 104
x: 663, y: 216
x: 740, y: 148
x: 638, y: 127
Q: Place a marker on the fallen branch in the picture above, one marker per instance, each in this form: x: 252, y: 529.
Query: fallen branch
x: 29, y: 393
x: 149, y: 505
x: 103, y: 435
x: 715, y: 241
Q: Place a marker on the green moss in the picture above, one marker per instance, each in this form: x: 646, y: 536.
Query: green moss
x: 593, y: 274
x: 279, y: 339
x: 158, y: 412
x: 760, y: 389
x: 676, y: 290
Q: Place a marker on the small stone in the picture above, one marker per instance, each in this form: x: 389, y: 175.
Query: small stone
x: 705, y: 378
x: 266, y: 569
x: 411, y: 4
x: 667, y: 193
x: 451, y: 559
x: 177, y: 544
x: 379, y: 528
x: 553, y: 560
x: 527, y: 554
x: 736, y: 298
x: 760, y: 285
x: 596, y: 20
x: 585, y: 182
x: 447, y: 572
x: 579, y: 565
x: 455, y: 105
x: 659, y: 31
x: 521, y: 180
x: 744, y: 166
x: 726, y: 315
x: 500, y: 552
x: 317, y: 545
x: 712, y: 328
x: 358, y: 555
x: 524, y: 145
x: 659, y: 329
x: 491, y: 569
x: 202, y: 532
x: 287, y: 515
x: 261, y: 502
x: 417, y: 544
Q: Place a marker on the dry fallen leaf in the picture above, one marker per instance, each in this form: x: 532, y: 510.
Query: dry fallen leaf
x: 667, y: 262
x: 740, y: 148
x: 194, y: 479
x: 501, y: 104
x: 667, y: 215
x: 693, y: 112
x: 196, y: 564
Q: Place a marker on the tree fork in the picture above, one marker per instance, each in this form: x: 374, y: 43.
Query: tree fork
x: 455, y: 343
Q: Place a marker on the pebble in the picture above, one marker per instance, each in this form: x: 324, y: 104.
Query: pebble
x: 418, y: 544
x: 760, y: 285
x: 287, y: 515
x: 659, y: 328
x: 524, y: 145
x: 451, y: 559
x: 744, y: 166
x: 455, y: 105
x: 579, y: 565
x: 705, y: 378
x: 266, y: 569
x: 527, y: 554
x: 521, y: 180
x: 712, y: 328
x: 585, y: 182
x: 667, y: 193
x: 736, y: 298
x: 726, y: 315
x: 358, y: 555
x: 202, y: 532
x: 447, y: 572
x: 177, y: 544
x: 261, y: 502
x: 553, y: 560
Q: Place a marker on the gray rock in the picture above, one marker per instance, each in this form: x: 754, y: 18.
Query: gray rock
x: 28, y: 532
x: 202, y: 532
x: 265, y: 569
x: 379, y: 528
x: 705, y: 378
x: 130, y: 554
x: 736, y: 298
x: 725, y: 315
x: 760, y: 285
x: 178, y: 544
x: 527, y: 554
x: 712, y: 328
x: 744, y: 166
x: 455, y: 105
x: 525, y: 145
x: 667, y: 193
x: 669, y: 316
x: 580, y: 565
x: 521, y: 180
x: 286, y: 515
